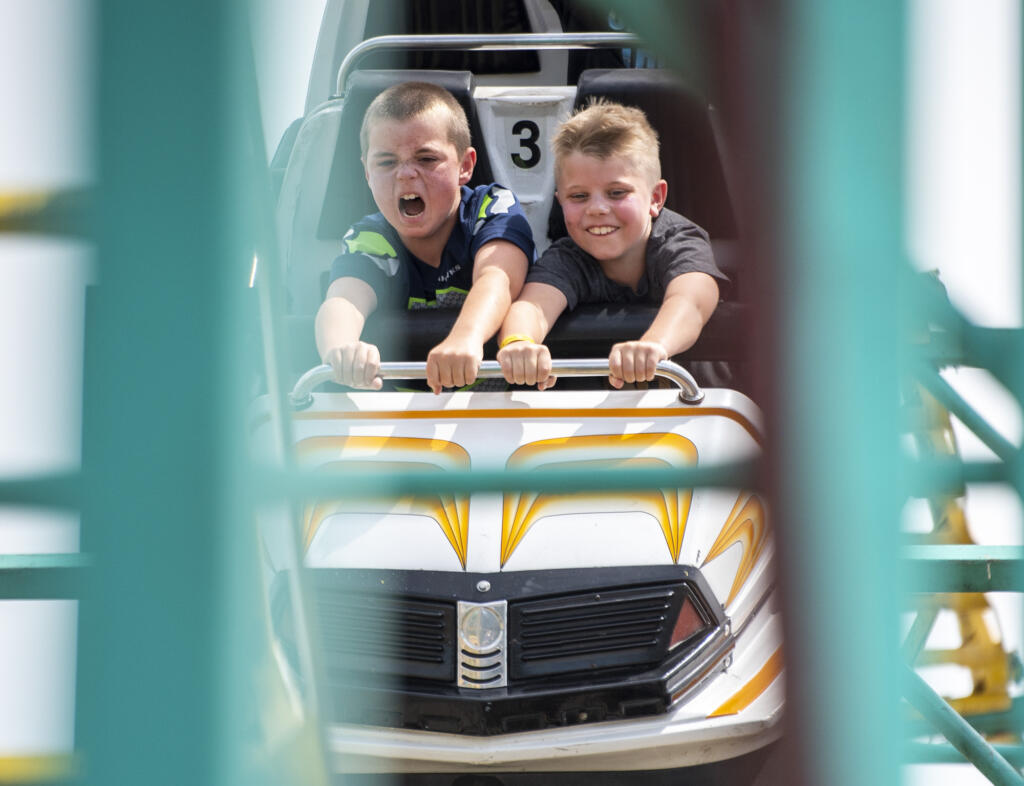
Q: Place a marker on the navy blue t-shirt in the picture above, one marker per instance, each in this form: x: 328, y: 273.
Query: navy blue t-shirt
x: 375, y: 253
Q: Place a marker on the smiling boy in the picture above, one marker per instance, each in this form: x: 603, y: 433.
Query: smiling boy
x: 434, y: 244
x: 624, y: 246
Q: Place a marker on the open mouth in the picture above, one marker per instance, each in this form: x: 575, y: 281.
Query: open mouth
x: 411, y: 205
x: 601, y: 230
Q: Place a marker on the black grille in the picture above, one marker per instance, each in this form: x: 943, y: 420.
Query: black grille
x: 595, y: 630
x: 386, y: 635
x: 583, y: 655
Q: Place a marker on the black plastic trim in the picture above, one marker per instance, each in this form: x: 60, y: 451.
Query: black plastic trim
x: 616, y: 691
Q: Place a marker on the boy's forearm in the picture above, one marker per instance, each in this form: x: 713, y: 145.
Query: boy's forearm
x: 343, y: 314
x: 676, y: 326
x: 689, y: 302
x: 338, y: 322
x: 525, y: 319
x: 533, y: 314
x: 487, y: 302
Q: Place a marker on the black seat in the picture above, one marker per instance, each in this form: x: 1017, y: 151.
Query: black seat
x: 348, y: 197
x: 690, y: 158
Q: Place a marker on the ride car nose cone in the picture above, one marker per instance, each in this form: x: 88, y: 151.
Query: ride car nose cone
x: 482, y: 638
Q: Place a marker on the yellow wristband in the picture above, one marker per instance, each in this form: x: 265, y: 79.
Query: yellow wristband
x: 513, y: 339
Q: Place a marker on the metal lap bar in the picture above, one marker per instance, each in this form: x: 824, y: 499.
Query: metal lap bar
x: 689, y: 391
x: 480, y: 43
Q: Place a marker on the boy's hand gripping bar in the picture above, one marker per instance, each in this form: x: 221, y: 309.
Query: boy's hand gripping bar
x: 689, y: 392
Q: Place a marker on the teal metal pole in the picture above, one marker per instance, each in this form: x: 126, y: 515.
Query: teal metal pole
x: 51, y: 491
x: 310, y: 485
x: 941, y: 567
x: 42, y: 576
x: 153, y: 458
x: 951, y: 400
x: 290, y: 748
x: 939, y: 753
x: 959, y: 732
x: 837, y: 294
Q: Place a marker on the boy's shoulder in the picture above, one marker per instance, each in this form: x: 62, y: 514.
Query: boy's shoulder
x: 492, y: 212
x: 669, y: 223
x: 373, y: 236
x: 488, y: 200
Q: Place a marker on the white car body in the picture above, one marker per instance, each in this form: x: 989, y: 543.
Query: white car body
x: 733, y: 707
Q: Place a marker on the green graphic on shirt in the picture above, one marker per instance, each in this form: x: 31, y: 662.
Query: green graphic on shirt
x: 419, y: 303
x: 496, y: 201
x: 502, y: 200
x: 484, y: 205
x: 372, y: 243
x: 449, y: 297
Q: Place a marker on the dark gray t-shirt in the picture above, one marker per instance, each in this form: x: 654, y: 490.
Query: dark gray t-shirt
x: 676, y: 246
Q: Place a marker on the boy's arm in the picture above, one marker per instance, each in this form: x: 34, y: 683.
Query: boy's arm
x: 339, y: 323
x: 689, y: 301
x: 499, y: 270
x: 525, y: 360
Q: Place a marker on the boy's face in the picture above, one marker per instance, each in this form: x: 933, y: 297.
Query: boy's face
x: 608, y: 205
x: 415, y: 173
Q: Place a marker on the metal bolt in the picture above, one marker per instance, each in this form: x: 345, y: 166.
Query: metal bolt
x: 483, y: 586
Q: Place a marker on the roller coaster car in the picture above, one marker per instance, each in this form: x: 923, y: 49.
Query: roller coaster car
x: 547, y: 630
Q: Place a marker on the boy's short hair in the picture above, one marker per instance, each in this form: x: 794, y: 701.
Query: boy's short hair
x: 409, y: 99
x: 604, y: 129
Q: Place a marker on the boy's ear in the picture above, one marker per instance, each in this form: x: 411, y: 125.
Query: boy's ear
x: 658, y: 196
x: 466, y: 166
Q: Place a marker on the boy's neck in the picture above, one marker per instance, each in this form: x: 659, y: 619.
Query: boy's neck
x: 430, y: 249
x: 626, y: 271
x: 427, y: 250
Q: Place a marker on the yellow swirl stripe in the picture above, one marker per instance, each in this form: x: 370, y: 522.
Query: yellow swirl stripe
x: 745, y: 696
x: 747, y: 525
x: 669, y: 506
x: 390, y: 455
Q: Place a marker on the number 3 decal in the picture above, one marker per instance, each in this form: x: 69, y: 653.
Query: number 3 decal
x: 528, y: 134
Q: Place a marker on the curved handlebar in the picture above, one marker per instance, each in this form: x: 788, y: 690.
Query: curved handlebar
x: 302, y: 394
x: 482, y: 42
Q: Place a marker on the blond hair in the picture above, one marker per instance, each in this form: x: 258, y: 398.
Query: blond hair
x: 605, y: 129
x: 409, y: 99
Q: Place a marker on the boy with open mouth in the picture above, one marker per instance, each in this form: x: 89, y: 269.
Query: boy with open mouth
x: 435, y: 243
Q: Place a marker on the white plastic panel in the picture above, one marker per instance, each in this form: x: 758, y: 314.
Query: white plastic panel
x: 518, y: 124
x: 381, y: 541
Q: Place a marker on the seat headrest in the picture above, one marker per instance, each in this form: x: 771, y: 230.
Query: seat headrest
x: 691, y: 160
x: 348, y: 197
